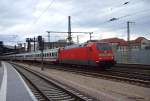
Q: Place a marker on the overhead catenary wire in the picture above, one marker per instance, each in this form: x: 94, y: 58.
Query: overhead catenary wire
x: 50, y: 4
x: 132, y: 14
x: 128, y: 15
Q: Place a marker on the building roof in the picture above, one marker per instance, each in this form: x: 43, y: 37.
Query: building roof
x: 114, y: 40
x: 122, y: 42
x: 137, y: 40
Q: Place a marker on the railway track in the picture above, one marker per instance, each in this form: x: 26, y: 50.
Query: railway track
x: 133, y: 78
x: 127, y: 75
x: 133, y: 66
x: 46, y: 89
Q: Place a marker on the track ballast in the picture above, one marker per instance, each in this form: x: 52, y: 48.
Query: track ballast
x: 136, y: 76
x: 49, y: 90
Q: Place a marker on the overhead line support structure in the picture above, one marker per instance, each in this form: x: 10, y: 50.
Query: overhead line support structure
x: 90, y: 33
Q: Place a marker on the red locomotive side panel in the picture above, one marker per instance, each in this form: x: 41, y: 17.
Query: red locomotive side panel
x: 74, y: 56
x: 91, y: 54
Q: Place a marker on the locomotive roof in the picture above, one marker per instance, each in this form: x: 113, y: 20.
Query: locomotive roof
x: 81, y: 45
x: 74, y: 46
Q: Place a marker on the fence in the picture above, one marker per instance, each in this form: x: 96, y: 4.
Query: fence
x: 133, y: 57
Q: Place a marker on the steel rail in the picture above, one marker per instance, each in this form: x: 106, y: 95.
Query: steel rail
x: 62, y: 93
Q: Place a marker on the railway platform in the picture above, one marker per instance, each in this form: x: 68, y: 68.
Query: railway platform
x: 12, y: 86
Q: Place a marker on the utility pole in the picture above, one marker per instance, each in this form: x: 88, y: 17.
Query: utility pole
x: 90, y: 35
x: 128, y: 32
x: 69, y: 30
x: 25, y: 47
x: 48, y: 36
x: 128, y: 41
x: 15, y: 51
x: 78, y: 39
x: 34, y: 43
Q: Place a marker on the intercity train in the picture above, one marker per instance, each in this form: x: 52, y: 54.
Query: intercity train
x: 94, y: 54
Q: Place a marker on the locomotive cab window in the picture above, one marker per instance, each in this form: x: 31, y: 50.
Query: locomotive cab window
x: 103, y: 46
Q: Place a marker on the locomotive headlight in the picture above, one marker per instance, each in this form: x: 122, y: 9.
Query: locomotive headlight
x: 96, y: 61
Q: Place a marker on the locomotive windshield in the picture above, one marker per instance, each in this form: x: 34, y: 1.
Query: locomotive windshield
x: 103, y: 46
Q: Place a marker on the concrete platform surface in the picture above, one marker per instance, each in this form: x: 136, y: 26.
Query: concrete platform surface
x: 105, y: 90
x: 1, y: 74
x: 13, y: 87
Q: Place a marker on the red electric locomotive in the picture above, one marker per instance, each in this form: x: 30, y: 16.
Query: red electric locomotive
x: 89, y: 54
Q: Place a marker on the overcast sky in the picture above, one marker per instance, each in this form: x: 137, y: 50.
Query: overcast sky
x: 20, y: 19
